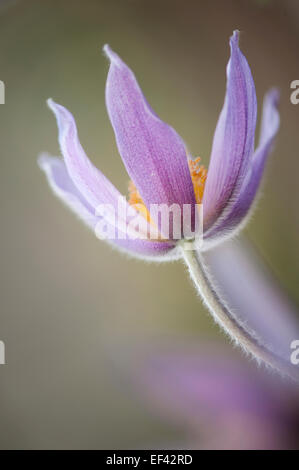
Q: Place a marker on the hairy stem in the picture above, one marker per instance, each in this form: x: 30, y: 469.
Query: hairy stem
x: 233, y: 326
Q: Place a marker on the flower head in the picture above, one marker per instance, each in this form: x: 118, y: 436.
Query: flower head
x: 163, y: 176
x: 160, y: 169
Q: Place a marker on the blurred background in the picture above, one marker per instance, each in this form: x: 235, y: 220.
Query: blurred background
x: 67, y: 300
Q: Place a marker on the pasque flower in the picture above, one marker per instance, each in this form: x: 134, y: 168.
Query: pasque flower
x: 157, y: 162
x: 162, y: 173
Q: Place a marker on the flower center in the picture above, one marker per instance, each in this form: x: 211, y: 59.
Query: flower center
x: 198, y: 175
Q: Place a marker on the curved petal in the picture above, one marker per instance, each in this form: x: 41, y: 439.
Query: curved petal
x: 62, y: 185
x: 237, y: 210
x: 153, y: 153
x: 91, y: 183
x: 233, y: 142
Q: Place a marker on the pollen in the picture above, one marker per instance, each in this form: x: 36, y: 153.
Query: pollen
x: 198, y: 175
x: 136, y: 201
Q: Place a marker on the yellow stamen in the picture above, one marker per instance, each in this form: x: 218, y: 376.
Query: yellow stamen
x: 136, y: 201
x: 198, y: 175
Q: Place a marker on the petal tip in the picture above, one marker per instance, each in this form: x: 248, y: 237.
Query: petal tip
x: 43, y: 161
x: 50, y: 102
x: 63, y: 117
x: 274, y: 95
x: 234, y: 39
x: 52, y: 105
x: 106, y: 50
x: 111, y: 55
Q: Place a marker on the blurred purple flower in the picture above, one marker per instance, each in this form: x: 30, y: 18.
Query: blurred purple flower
x: 157, y: 162
x: 219, y: 400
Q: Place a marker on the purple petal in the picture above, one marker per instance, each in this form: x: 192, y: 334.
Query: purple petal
x: 236, y: 211
x: 62, y: 185
x: 214, y: 396
x: 234, y: 136
x: 147, y: 249
x: 91, y: 183
x: 257, y: 299
x: 153, y: 153
x: 193, y: 380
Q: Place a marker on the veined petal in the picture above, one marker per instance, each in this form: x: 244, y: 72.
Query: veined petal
x: 153, y: 153
x: 233, y: 142
x: 90, y: 182
x: 148, y: 250
x: 240, y: 205
x: 62, y: 185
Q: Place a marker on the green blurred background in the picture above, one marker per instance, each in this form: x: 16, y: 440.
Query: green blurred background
x: 67, y: 299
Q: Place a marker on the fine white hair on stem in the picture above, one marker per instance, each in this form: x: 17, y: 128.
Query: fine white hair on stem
x: 228, y: 321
